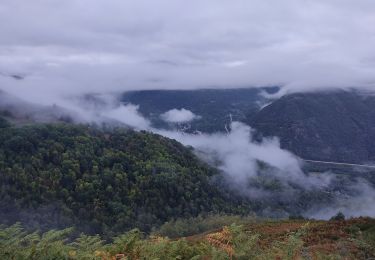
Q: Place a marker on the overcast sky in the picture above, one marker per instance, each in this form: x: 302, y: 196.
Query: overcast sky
x: 70, y: 46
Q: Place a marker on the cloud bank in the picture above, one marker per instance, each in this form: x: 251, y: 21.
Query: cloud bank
x: 242, y: 159
x: 131, y: 116
x: 59, y: 48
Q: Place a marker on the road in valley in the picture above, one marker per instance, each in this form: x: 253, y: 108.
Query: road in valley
x: 344, y: 164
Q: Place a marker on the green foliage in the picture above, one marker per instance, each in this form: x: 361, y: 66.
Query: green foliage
x: 129, y: 242
x: 290, y: 249
x: 86, y: 246
x: 166, y: 249
x: 17, y: 244
x: 200, y: 224
x: 369, y: 236
x: 231, y: 242
x: 364, y: 236
x: 244, y: 244
x: 101, y: 182
x: 4, y: 123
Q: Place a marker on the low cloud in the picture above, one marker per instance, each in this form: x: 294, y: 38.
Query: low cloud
x: 129, y: 115
x: 55, y: 49
x: 240, y: 157
x: 178, y: 116
x: 357, y: 202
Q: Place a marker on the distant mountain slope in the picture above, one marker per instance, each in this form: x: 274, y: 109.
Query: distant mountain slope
x: 336, y: 126
x: 213, y: 105
x: 330, y: 126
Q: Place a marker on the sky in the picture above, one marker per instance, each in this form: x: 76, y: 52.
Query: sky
x: 62, y: 48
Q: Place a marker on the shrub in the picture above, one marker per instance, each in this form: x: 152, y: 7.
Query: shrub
x: 338, y: 216
x: 200, y: 224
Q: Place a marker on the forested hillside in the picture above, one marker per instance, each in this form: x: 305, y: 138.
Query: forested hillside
x: 101, y: 181
x: 336, y: 126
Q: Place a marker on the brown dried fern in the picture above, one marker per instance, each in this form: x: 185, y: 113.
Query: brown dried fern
x: 222, y: 240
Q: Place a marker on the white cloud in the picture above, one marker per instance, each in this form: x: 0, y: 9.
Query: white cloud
x: 237, y: 154
x: 128, y: 115
x: 178, y: 116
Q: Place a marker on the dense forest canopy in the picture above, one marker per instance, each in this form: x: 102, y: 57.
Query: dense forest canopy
x: 102, y: 181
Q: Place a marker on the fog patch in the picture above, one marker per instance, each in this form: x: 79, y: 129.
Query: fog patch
x: 359, y: 201
x: 129, y: 115
x: 179, y: 116
x: 242, y: 159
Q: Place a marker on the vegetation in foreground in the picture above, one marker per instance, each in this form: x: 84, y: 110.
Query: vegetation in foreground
x: 291, y: 239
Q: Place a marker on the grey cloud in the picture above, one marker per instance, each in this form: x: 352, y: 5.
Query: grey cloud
x: 71, y: 47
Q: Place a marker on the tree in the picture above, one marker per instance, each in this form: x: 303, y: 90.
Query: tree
x: 338, y: 216
x: 4, y: 123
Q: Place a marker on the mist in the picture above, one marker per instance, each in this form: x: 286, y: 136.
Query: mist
x: 357, y: 203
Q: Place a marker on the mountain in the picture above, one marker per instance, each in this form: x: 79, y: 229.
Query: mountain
x: 329, y: 126
x: 333, y: 126
x: 214, y: 106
